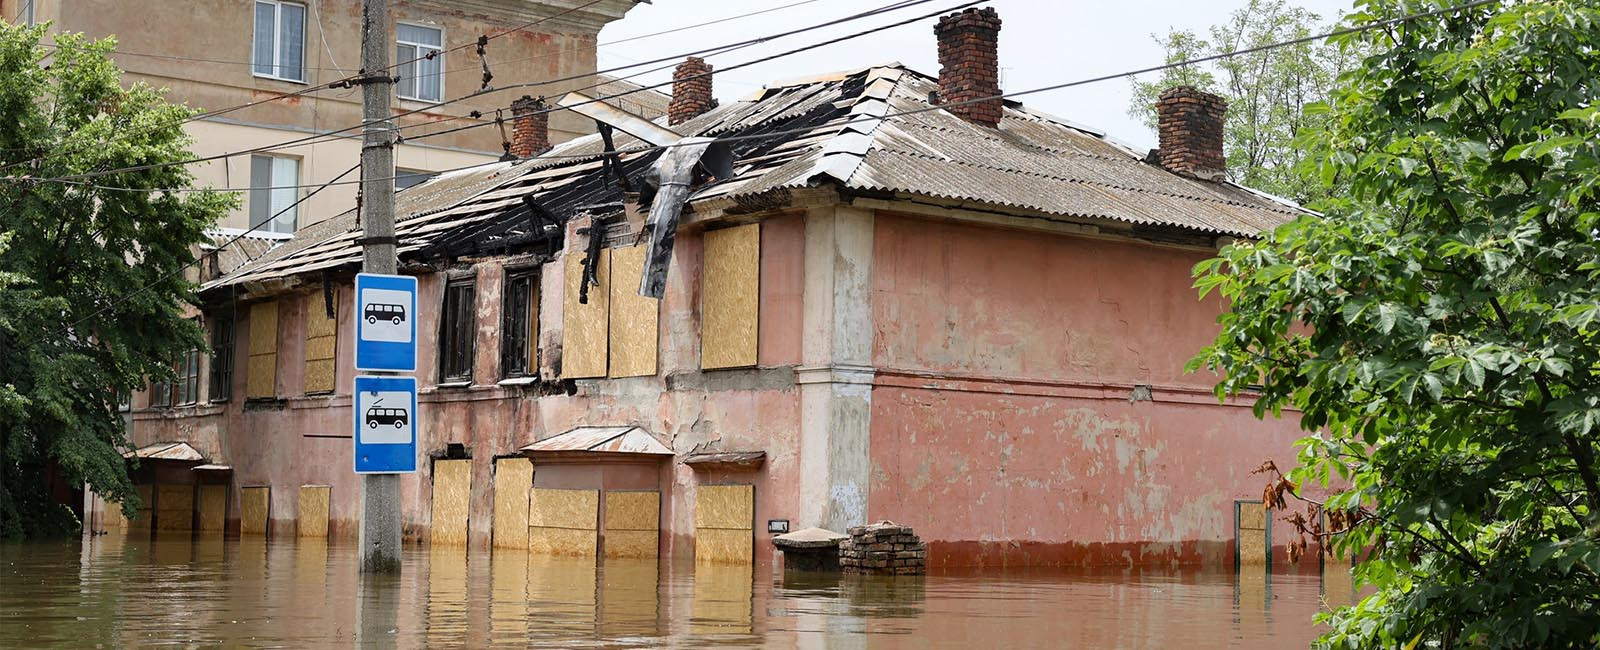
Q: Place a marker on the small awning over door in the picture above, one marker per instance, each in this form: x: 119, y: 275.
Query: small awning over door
x: 600, y: 440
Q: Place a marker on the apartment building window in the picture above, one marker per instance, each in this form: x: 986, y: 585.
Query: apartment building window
x: 187, y: 390
x: 221, y: 358
x: 273, y: 192
x: 421, y: 79
x: 456, y: 330
x: 404, y: 178
x: 160, y: 394
x: 520, y: 334
x: 280, y: 40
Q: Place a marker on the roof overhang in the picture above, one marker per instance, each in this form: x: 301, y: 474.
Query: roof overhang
x: 600, y: 443
x: 169, y: 451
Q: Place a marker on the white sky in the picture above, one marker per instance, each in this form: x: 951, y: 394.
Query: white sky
x: 1042, y: 42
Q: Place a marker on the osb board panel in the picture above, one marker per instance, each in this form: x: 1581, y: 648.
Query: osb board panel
x: 311, y: 518
x: 562, y: 541
x: 584, y: 326
x: 452, y: 490
x: 553, y: 508
x: 633, y: 317
x: 724, y: 506
x: 513, y: 478
x: 730, y: 295
x: 319, y: 375
x: 632, y: 511
x: 264, y: 328
x: 722, y: 599
x: 631, y: 543
x: 317, y: 322
x: 253, y: 507
x: 1252, y: 539
x: 146, y: 512
x: 262, y: 376
x: 213, y: 507
x: 174, y: 507
x: 112, y: 517
x: 724, y: 545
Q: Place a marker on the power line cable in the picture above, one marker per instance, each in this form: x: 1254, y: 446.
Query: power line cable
x: 324, y: 137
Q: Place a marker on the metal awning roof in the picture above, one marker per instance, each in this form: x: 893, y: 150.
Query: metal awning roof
x: 167, y: 451
x: 612, y: 440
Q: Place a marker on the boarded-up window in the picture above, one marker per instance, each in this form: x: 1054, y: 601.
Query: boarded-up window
x: 263, y: 367
x: 519, y: 348
x: 633, y: 318
x: 1253, y: 533
x: 724, y: 522
x: 457, y: 326
x: 729, y: 298
x: 584, y: 325
x: 322, y: 335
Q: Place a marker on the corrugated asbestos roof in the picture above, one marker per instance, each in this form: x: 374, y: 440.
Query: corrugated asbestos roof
x: 1033, y: 163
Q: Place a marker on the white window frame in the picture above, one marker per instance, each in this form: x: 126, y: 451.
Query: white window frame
x: 272, y: 223
x: 277, y: 39
x: 422, y: 50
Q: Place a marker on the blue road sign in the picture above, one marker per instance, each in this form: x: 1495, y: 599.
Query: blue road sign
x: 386, y: 424
x: 386, y: 323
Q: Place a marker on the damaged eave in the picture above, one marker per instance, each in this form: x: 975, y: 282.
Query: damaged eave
x: 747, y: 208
x: 1022, y: 219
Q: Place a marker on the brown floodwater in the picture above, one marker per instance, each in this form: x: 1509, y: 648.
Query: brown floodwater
x: 115, y: 592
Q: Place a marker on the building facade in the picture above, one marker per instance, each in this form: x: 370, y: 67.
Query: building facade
x: 217, y: 54
x: 888, y: 298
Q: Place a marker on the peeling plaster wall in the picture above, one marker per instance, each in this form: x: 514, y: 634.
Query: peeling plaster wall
x: 1002, y: 428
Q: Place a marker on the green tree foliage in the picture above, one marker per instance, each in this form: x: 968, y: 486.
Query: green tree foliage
x: 1267, y: 91
x: 69, y: 251
x: 1439, y: 327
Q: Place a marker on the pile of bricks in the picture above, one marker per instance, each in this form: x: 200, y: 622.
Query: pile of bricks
x: 884, y: 548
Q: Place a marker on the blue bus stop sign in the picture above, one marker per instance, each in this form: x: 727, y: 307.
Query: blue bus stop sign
x: 386, y: 323
x: 386, y: 424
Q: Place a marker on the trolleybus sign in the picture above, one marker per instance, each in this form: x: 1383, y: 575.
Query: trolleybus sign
x: 385, y: 425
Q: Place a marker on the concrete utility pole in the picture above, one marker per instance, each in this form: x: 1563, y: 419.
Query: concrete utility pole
x: 380, y: 506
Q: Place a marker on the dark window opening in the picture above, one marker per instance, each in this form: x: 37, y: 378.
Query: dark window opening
x: 160, y: 394
x: 456, y: 330
x: 221, y: 358
x: 519, y: 347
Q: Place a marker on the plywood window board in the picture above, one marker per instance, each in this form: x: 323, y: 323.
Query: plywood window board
x: 585, y: 326
x: 730, y: 297
x: 632, y: 523
x: 452, y: 491
x: 1252, y: 532
x: 262, y: 380
x: 513, y: 480
x: 213, y: 507
x: 321, y: 345
x: 633, y: 327
x: 724, y: 520
x: 563, y: 522
x: 311, y: 518
x: 254, y: 505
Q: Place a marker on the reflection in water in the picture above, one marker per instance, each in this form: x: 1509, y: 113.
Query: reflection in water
x: 202, y: 592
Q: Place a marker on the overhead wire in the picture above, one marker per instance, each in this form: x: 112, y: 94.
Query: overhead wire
x: 946, y: 106
x: 325, y: 136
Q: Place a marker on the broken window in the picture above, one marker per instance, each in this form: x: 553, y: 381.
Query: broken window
x: 519, y: 343
x: 456, y: 328
x: 221, y: 358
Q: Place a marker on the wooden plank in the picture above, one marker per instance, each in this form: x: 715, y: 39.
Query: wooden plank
x: 1251, y: 531
x: 174, y: 507
x: 724, y: 517
x: 213, y: 507
x: 730, y: 296
x: 321, y: 345
x: 564, y: 522
x: 513, y: 479
x: 262, y: 369
x: 254, y: 505
x: 633, y: 326
x: 311, y: 518
x: 452, y: 492
x: 147, y: 503
x: 584, y: 326
x: 632, y: 523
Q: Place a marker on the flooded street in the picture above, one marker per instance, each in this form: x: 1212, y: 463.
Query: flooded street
x: 111, y: 591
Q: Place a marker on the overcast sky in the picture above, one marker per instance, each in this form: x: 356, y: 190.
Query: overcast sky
x: 1042, y: 42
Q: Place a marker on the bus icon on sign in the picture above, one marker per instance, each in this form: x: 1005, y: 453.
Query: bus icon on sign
x: 379, y: 416
x: 379, y: 311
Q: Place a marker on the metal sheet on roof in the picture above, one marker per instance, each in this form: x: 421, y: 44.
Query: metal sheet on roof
x: 612, y: 440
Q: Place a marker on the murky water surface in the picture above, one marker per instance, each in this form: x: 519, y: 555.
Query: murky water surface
x: 116, y: 592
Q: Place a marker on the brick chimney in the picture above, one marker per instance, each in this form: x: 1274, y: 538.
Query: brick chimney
x: 1190, y: 122
x: 690, y: 97
x: 530, y: 127
x: 969, y: 64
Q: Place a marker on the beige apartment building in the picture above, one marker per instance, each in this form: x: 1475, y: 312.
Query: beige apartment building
x: 217, y: 54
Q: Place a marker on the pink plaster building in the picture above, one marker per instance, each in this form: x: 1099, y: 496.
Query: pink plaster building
x: 899, y: 301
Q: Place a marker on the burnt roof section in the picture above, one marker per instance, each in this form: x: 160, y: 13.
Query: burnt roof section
x: 826, y: 130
